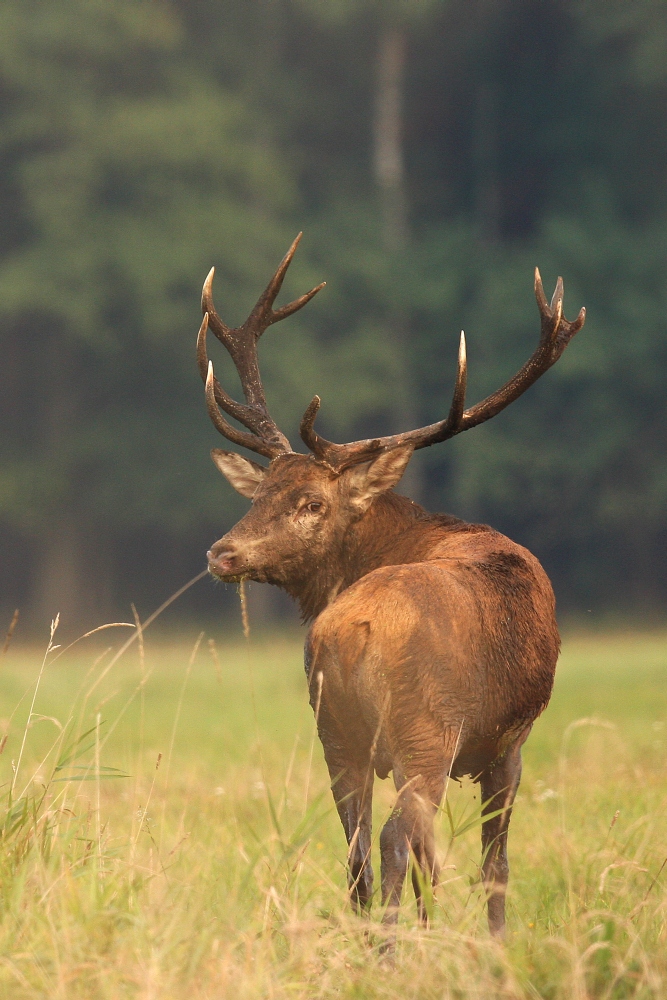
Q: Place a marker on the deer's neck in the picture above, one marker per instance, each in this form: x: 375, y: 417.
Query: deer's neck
x: 393, y: 530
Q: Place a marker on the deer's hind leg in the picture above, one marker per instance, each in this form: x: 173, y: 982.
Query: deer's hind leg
x: 499, y: 787
x: 408, y: 830
x: 351, y: 774
x: 348, y: 756
x: 353, y: 794
x: 420, y: 782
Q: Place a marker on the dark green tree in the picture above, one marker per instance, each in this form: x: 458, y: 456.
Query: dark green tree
x: 433, y: 153
x: 126, y: 173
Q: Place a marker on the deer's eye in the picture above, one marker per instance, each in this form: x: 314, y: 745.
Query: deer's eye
x: 314, y: 507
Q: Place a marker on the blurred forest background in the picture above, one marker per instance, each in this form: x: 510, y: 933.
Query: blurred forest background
x: 433, y: 152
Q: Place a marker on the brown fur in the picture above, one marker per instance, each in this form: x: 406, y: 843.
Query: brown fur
x: 432, y: 650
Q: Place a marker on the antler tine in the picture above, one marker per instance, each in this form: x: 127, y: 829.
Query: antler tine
x: 539, y: 292
x: 242, y: 438
x: 263, y: 308
x: 459, y: 398
x: 241, y: 344
x: 299, y: 303
x: 263, y: 315
x: 555, y: 334
x: 555, y: 328
x: 337, y: 456
x: 220, y: 329
x: 341, y: 456
x: 229, y: 405
x: 308, y: 435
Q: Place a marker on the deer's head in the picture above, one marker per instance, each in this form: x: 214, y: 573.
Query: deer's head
x: 303, y: 505
x: 300, y: 515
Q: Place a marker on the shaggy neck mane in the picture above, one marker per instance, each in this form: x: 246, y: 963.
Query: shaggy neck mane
x: 393, y: 530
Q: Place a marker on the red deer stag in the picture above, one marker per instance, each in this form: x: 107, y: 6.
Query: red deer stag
x: 433, y: 642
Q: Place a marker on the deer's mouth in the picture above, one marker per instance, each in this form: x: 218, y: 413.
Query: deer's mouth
x: 225, y: 565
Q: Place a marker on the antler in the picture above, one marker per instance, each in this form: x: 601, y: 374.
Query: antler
x: 556, y: 333
x: 262, y: 434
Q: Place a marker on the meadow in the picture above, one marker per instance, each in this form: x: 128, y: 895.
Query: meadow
x: 168, y: 832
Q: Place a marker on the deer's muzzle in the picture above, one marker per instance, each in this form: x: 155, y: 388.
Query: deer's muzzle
x: 224, y: 562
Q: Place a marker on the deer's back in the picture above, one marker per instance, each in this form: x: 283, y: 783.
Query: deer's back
x: 465, y: 639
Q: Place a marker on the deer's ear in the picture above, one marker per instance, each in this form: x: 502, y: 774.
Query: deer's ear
x: 244, y: 475
x: 366, y: 481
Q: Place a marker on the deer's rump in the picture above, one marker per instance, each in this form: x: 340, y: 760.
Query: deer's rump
x: 413, y: 653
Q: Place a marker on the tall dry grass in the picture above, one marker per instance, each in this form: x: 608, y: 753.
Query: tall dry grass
x: 167, y: 832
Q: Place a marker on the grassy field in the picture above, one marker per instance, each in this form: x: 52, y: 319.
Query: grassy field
x: 217, y: 868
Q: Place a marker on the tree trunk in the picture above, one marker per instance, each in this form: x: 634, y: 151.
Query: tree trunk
x: 70, y: 579
x: 388, y: 158
x: 389, y: 172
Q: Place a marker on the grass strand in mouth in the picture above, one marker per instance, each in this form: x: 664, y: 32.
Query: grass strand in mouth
x: 243, y: 597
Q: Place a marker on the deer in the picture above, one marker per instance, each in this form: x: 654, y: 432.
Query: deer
x: 432, y: 642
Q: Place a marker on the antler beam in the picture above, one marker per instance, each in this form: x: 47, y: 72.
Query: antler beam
x: 263, y: 435
x: 555, y: 334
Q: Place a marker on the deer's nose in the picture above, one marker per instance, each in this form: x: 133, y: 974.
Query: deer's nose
x: 221, y: 559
